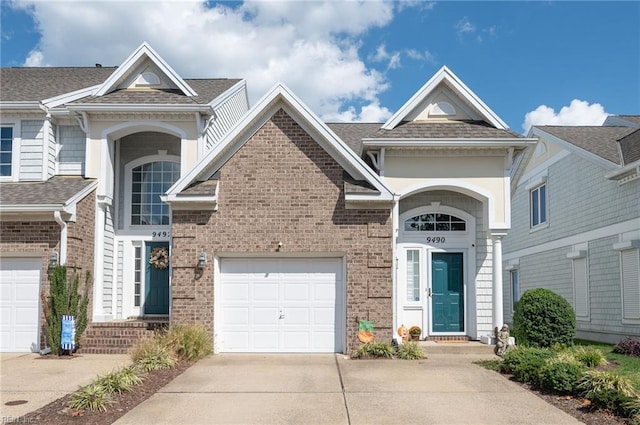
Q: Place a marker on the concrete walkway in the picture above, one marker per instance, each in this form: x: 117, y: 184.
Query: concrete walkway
x: 34, y: 381
x: 446, y: 388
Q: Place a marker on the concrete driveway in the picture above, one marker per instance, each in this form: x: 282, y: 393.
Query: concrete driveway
x: 332, y: 389
x: 33, y: 381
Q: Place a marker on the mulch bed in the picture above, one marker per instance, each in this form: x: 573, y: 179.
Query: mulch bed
x: 58, y: 413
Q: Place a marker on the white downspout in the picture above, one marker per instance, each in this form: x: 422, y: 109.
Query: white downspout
x: 63, y: 237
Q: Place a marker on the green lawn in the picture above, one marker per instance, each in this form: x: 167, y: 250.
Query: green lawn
x: 627, y: 366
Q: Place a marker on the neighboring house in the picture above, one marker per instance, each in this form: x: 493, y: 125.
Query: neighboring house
x: 283, y: 232
x: 576, y: 225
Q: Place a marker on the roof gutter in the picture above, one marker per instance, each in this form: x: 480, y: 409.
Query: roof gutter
x: 625, y: 174
x: 20, y: 105
x: 454, y: 143
x: 118, y: 107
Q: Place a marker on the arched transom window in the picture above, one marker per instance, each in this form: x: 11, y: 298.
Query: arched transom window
x: 148, y: 182
x: 435, y: 222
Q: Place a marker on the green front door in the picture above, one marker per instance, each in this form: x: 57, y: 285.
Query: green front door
x: 447, y: 301
x: 156, y: 294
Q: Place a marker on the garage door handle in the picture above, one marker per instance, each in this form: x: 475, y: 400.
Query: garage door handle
x: 281, y: 314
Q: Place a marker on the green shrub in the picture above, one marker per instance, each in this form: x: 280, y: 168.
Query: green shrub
x: 525, y: 362
x: 374, y: 349
x: 93, y: 397
x: 589, y: 356
x: 410, y: 350
x: 560, y: 376
x: 543, y: 318
x: 607, y: 389
x: 151, y: 354
x: 121, y: 381
x: 65, y: 299
x: 189, y: 342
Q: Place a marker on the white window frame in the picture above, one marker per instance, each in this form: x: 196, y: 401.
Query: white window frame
x: 545, y: 210
x: 15, y: 150
x: 128, y: 179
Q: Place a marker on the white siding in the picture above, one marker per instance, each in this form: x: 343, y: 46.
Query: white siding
x: 108, y: 262
x: 71, y: 156
x: 51, y: 150
x: 31, y: 150
x: 227, y: 114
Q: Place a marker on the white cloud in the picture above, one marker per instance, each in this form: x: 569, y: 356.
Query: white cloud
x: 464, y: 26
x: 579, y: 112
x: 312, y: 47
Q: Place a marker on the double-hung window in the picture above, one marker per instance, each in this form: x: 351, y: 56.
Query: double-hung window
x: 6, y: 151
x: 538, y: 204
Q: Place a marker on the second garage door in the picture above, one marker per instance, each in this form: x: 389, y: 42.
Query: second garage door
x: 280, y: 305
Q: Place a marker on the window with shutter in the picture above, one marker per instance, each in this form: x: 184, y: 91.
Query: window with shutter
x: 630, y: 277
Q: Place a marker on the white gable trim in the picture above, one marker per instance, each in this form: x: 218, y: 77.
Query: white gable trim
x: 574, y: 149
x: 133, y: 60
x: 52, y: 102
x: 281, y: 97
x: 445, y: 74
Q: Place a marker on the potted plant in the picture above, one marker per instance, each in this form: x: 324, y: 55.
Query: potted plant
x: 414, y: 332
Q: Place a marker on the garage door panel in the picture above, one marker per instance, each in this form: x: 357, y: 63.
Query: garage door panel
x: 265, y: 316
x: 19, y: 304
x: 235, y: 316
x: 291, y: 307
x: 265, y: 292
x: 236, y: 292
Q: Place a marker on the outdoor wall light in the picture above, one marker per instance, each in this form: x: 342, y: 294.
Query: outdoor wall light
x: 202, y: 260
x: 54, y: 259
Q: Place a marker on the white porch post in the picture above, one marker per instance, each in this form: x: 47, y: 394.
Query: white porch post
x: 498, y: 319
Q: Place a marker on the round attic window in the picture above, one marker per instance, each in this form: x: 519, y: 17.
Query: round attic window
x: 147, y: 78
x: 442, y: 108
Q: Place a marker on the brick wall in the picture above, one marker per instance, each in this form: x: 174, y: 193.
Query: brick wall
x: 281, y: 186
x: 41, y: 238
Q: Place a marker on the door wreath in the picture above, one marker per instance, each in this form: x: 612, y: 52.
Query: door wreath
x: 159, y: 258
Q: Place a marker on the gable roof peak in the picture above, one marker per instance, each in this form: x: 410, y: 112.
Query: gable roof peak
x: 131, y: 64
x: 464, y: 93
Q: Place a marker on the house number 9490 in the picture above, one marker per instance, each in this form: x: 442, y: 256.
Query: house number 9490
x: 435, y: 239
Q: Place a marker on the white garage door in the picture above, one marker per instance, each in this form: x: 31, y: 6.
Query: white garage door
x: 19, y: 304
x: 280, y: 305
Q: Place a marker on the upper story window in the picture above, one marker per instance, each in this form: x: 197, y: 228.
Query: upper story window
x: 148, y: 182
x: 433, y: 222
x: 538, y: 205
x: 6, y: 151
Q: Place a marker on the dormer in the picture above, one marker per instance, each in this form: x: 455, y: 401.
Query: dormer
x: 144, y: 69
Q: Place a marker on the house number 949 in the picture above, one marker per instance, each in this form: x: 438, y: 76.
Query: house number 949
x: 435, y: 239
x: 163, y: 234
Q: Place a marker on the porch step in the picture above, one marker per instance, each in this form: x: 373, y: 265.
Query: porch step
x: 118, y: 337
x: 456, y: 347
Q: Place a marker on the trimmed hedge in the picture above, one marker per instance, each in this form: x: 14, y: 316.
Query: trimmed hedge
x: 543, y: 318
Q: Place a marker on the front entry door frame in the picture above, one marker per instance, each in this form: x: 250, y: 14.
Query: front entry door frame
x: 429, y: 299
x: 417, y: 309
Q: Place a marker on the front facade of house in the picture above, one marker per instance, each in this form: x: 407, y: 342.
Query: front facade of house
x: 281, y: 232
x: 576, y: 225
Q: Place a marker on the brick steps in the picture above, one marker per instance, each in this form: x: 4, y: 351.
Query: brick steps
x: 117, y: 337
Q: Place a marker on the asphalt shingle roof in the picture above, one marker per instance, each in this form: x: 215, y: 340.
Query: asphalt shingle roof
x: 55, y: 191
x: 447, y: 130
x: 205, y: 188
x: 36, y: 84
x: 601, y: 141
x: 630, y: 147
x: 353, y: 133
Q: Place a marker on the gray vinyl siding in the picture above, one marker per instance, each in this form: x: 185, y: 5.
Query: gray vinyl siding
x: 226, y: 116
x: 580, y: 199
x: 31, y: 150
x: 71, y: 156
x: 483, y: 250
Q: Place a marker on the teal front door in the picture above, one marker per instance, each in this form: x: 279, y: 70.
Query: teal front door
x: 156, y: 294
x: 447, y: 300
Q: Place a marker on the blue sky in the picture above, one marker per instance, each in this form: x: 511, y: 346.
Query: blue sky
x: 565, y: 63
